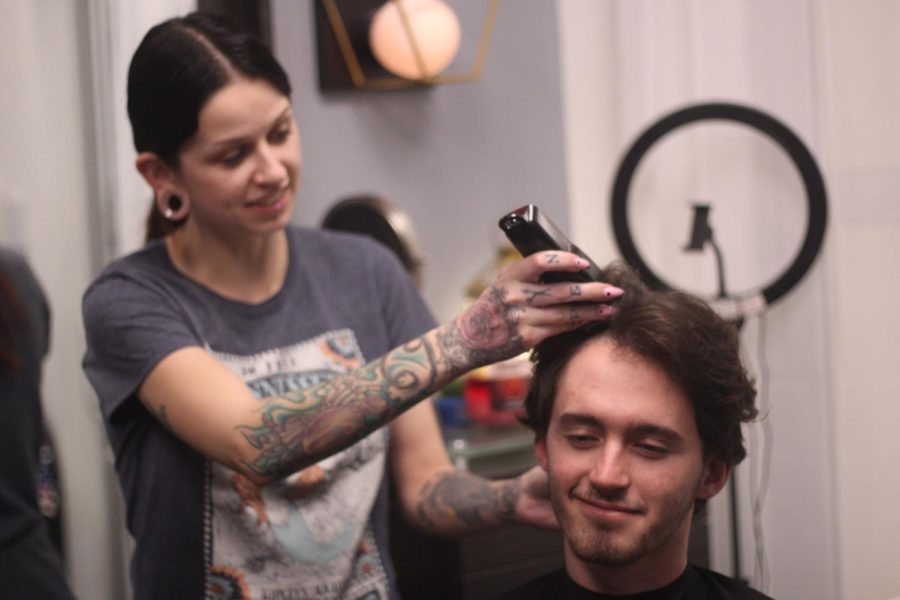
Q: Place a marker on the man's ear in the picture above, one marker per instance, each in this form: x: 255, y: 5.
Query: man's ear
x: 540, y: 451
x: 715, y: 476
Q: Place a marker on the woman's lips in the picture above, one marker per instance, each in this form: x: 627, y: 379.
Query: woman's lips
x: 270, y: 199
x: 270, y: 204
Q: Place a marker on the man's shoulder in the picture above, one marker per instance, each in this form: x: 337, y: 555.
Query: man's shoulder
x: 728, y: 587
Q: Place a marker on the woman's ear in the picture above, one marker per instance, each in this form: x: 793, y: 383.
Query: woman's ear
x: 155, y: 171
x: 170, y: 200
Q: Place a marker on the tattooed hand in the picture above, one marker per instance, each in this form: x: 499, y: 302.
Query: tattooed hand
x: 458, y: 502
x: 517, y: 311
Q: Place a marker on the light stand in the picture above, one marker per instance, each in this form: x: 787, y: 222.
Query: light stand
x: 702, y: 234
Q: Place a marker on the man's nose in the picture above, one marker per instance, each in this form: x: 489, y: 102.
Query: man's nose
x: 610, y: 469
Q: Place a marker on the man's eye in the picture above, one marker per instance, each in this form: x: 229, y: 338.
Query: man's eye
x: 652, y: 450
x: 581, y: 441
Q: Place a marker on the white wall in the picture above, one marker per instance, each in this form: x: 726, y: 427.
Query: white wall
x: 860, y: 51
x: 827, y: 69
x: 44, y: 171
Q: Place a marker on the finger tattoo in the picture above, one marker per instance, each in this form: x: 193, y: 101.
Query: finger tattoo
x: 532, y: 294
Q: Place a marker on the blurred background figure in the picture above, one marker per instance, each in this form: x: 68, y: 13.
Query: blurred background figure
x: 30, y: 563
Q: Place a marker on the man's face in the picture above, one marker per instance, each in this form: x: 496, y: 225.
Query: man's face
x: 624, y: 458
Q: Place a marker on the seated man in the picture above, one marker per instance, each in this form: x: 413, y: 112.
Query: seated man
x: 638, y: 423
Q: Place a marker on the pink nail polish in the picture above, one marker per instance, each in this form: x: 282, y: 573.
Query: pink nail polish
x: 613, y: 292
x: 605, y: 310
x: 581, y: 262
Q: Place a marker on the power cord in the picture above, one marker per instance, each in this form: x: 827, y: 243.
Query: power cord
x: 760, y: 468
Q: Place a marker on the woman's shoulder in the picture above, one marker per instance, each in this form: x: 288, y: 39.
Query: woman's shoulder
x: 142, y: 267
x: 332, y: 239
x: 340, y: 247
x: 151, y: 257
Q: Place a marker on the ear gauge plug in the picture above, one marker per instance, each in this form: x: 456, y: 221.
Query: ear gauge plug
x: 174, y: 207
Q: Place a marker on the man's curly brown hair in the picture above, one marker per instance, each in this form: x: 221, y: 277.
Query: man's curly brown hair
x: 678, y: 333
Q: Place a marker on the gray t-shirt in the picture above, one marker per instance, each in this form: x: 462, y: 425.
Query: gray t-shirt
x: 202, y: 530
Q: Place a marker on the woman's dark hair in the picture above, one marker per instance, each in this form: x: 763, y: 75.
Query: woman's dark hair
x: 678, y: 333
x: 175, y: 70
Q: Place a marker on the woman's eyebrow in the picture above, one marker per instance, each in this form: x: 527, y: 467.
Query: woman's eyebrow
x: 238, y: 139
x: 284, y: 115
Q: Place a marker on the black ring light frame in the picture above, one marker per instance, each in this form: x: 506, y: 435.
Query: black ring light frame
x: 746, y: 305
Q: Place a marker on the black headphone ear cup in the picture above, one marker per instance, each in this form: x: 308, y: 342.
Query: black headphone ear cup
x: 174, y: 203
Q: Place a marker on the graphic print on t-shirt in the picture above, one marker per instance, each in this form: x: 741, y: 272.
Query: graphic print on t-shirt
x: 307, y: 536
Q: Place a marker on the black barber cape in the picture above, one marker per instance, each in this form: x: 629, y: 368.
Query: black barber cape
x: 694, y: 584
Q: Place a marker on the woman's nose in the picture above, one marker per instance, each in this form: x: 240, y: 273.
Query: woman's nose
x: 270, y: 170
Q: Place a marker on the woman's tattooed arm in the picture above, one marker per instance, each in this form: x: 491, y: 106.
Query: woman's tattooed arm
x: 307, y: 425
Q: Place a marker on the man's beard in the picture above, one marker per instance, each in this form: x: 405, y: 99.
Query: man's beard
x: 599, y: 545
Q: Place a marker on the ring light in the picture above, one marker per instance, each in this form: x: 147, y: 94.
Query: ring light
x: 746, y: 304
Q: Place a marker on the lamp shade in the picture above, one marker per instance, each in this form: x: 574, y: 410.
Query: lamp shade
x: 433, y: 36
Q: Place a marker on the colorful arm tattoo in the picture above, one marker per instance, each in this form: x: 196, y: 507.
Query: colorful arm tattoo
x: 300, y: 428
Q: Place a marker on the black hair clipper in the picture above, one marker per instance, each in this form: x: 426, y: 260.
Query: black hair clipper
x: 531, y: 231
